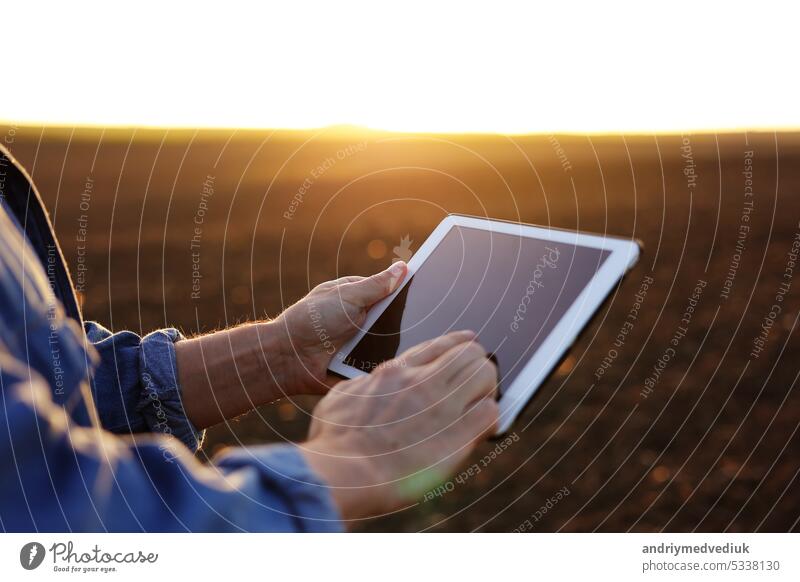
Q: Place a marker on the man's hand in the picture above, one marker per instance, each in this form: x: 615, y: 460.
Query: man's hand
x: 383, y: 440
x: 315, y: 327
x: 229, y: 372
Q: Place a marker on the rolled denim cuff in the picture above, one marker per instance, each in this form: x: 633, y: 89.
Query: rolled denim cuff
x: 160, y: 398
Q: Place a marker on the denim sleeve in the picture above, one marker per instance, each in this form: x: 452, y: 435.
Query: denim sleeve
x: 64, y: 477
x: 135, y: 385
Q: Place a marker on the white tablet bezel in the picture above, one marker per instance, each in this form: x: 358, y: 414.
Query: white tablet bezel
x: 624, y: 254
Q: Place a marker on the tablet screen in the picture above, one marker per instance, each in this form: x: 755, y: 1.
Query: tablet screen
x: 511, y: 290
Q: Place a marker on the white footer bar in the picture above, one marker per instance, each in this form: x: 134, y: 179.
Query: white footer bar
x: 400, y: 557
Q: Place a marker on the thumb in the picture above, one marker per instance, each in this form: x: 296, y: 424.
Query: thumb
x: 370, y: 290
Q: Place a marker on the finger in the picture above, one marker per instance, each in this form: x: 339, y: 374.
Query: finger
x: 337, y: 282
x: 428, y: 351
x: 370, y: 290
x: 343, y: 280
x: 480, y: 420
x: 450, y: 363
x: 476, y: 380
x: 329, y: 382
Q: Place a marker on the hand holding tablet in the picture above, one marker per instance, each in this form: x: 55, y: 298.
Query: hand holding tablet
x: 526, y: 291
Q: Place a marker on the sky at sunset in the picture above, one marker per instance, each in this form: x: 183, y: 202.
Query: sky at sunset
x: 417, y: 66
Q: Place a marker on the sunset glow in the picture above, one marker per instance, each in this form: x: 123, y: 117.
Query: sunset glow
x: 438, y: 67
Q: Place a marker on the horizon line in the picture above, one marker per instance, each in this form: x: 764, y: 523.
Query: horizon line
x: 342, y: 128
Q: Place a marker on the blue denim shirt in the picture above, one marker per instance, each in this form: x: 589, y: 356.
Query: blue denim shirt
x: 93, y: 436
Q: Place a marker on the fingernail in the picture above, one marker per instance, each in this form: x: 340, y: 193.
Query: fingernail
x: 397, y: 269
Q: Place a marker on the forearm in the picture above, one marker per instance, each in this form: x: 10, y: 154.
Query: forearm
x: 227, y: 373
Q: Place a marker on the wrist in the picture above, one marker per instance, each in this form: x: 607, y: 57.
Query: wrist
x: 271, y: 351
x: 356, y: 488
x: 301, y: 369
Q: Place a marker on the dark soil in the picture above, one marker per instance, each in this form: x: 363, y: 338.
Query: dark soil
x: 711, y: 446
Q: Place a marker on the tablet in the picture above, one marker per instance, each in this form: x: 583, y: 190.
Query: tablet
x: 527, y: 291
